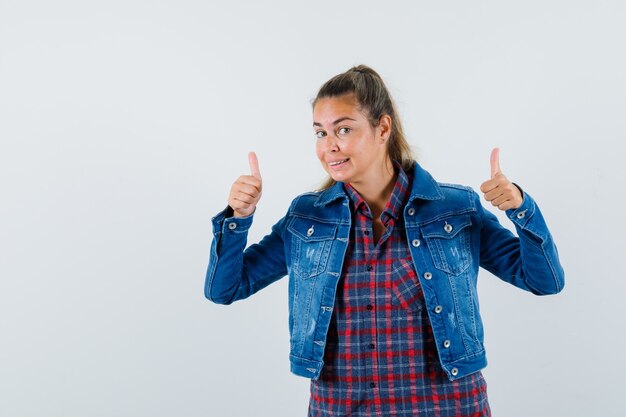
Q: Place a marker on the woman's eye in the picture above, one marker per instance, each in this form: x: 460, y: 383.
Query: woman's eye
x: 320, y: 134
x: 344, y: 130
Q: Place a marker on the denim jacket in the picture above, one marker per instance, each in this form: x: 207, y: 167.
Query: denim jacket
x: 449, y: 235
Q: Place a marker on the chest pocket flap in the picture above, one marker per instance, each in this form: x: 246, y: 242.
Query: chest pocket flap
x: 446, y: 228
x: 312, y: 230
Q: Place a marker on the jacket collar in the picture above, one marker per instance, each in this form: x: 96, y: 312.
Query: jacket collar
x: 331, y: 194
x: 424, y: 187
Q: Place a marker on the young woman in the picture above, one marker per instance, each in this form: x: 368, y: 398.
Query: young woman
x: 382, y: 264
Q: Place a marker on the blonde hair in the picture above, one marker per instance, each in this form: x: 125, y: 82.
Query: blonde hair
x: 374, y: 101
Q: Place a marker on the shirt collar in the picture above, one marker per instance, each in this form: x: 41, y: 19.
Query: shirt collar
x: 398, y: 197
x: 423, y: 187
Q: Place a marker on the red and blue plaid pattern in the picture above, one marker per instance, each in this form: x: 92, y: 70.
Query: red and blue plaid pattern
x: 380, y: 357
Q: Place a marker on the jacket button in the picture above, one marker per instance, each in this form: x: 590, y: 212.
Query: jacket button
x: 428, y: 275
x: 411, y: 211
x: 454, y: 371
x: 310, y: 231
x: 416, y: 242
x: 446, y: 344
x: 232, y: 226
x: 447, y: 227
x: 521, y: 214
x: 438, y: 309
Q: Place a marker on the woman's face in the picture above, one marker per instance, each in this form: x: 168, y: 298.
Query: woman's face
x: 349, y: 148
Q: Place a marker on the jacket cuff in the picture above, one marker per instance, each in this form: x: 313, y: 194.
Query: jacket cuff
x: 522, y: 215
x: 224, y: 222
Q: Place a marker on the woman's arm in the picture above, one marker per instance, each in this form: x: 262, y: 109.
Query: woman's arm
x: 235, y: 272
x: 530, y: 261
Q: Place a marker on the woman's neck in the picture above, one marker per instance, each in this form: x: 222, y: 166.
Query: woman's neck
x: 377, y: 189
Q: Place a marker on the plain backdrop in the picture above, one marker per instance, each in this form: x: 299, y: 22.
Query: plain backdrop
x: 123, y: 124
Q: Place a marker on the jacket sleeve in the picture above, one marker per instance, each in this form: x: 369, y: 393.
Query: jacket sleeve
x: 235, y: 272
x: 530, y: 261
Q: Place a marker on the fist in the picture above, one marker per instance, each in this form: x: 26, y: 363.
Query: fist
x: 501, y: 192
x: 246, y: 190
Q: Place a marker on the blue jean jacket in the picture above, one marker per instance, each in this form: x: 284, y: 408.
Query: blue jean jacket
x: 449, y: 235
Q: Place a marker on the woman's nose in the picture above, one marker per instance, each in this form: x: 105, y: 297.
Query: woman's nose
x: 332, y: 144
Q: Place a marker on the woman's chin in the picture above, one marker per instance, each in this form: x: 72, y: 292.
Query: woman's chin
x: 339, y: 176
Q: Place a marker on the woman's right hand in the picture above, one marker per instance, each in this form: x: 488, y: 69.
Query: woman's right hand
x: 246, y: 190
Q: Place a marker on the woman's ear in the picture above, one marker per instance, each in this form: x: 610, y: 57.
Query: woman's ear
x: 383, y: 129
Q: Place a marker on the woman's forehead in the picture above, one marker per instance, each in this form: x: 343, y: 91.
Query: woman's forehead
x: 329, y: 109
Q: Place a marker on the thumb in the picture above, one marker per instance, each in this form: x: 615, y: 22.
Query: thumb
x: 495, y: 162
x: 254, y: 165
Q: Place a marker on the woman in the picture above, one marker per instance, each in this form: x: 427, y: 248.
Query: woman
x: 383, y: 264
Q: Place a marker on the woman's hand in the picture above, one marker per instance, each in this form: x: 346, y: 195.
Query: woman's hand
x: 501, y: 192
x: 246, y: 190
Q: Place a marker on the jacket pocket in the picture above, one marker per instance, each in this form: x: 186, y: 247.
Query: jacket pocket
x: 310, y: 247
x: 449, y: 243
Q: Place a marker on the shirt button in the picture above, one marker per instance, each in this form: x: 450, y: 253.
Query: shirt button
x: 372, y: 385
x: 428, y: 275
x: 446, y: 344
x: 232, y: 226
x: 438, y: 309
x: 367, y: 232
x: 372, y: 346
x: 370, y: 267
x: 370, y: 307
x: 454, y: 371
x: 411, y: 211
x: 416, y: 242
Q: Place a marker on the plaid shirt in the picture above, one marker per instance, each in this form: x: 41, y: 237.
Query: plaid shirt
x: 380, y: 357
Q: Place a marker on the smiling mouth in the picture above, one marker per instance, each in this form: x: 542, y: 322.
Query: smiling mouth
x: 332, y: 164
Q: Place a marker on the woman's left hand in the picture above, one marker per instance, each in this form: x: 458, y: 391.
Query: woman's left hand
x: 501, y: 192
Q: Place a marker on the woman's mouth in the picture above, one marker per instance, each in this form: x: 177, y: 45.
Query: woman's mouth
x: 338, y: 163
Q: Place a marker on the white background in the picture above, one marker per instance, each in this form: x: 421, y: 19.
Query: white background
x: 124, y: 123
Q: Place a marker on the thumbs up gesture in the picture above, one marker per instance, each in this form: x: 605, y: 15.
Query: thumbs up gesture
x: 501, y: 192
x: 245, y: 192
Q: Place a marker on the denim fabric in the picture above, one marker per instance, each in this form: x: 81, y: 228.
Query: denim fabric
x: 449, y: 234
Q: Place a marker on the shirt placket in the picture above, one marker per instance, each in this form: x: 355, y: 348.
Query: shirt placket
x: 377, y: 297
x: 368, y: 338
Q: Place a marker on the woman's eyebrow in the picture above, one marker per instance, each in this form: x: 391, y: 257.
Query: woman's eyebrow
x: 336, y: 121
